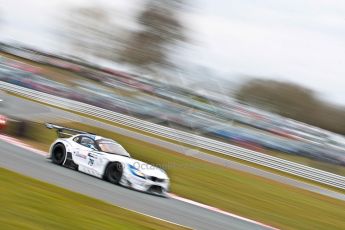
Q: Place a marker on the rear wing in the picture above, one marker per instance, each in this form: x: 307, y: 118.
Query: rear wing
x: 64, y: 131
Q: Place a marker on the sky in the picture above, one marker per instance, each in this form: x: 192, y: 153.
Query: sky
x: 301, y: 41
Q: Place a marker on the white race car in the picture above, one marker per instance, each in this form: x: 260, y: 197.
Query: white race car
x: 106, y: 159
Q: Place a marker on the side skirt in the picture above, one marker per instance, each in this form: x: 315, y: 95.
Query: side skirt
x: 69, y: 163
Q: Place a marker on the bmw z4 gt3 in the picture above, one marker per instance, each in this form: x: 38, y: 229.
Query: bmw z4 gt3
x: 105, y: 158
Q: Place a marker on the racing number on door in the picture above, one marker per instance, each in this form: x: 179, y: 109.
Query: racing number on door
x: 91, y: 161
x: 92, y: 157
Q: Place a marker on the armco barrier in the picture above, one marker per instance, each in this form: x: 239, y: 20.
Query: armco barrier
x: 183, y: 137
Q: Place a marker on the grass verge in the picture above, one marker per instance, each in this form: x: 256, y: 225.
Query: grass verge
x: 244, y: 194
x: 27, y: 203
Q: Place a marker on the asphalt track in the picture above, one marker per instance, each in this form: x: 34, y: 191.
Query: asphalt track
x: 21, y: 108
x: 22, y: 161
x: 34, y: 165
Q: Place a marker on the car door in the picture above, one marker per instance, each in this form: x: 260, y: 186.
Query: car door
x: 79, y: 152
x: 94, y: 158
x: 86, y: 145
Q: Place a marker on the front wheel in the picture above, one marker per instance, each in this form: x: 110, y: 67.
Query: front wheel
x: 113, y: 173
x: 58, y: 154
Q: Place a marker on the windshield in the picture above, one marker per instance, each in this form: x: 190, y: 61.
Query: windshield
x: 112, y: 147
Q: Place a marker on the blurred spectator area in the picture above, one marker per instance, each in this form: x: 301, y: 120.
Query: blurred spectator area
x: 224, y: 118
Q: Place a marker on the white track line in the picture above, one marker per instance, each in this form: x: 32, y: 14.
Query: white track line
x: 220, y: 211
x: 20, y: 144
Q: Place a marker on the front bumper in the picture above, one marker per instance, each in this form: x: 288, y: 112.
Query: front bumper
x: 160, y: 187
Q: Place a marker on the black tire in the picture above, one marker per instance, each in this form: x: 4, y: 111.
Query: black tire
x: 113, y: 172
x: 58, y: 154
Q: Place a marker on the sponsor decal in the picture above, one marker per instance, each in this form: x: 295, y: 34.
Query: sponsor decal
x: 80, y: 155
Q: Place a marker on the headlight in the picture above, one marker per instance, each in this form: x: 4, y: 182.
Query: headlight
x: 136, y: 171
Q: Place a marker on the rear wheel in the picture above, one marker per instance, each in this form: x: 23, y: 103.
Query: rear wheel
x: 58, y: 154
x: 113, y: 173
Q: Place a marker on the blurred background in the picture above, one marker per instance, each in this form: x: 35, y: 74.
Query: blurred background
x: 269, y: 79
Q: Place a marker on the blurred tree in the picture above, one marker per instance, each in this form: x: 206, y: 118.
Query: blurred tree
x: 160, y: 31
x: 291, y: 100
x: 286, y: 99
x: 89, y: 30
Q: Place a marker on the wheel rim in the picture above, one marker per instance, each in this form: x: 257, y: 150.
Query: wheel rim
x: 58, y: 155
x: 114, y: 173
